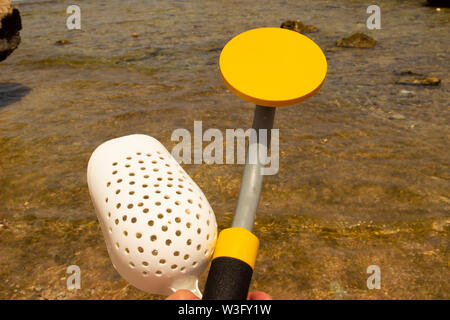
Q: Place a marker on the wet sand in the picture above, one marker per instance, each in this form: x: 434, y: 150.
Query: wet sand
x: 364, y: 165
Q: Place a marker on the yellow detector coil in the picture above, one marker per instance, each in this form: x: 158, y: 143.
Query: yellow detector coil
x: 273, y: 67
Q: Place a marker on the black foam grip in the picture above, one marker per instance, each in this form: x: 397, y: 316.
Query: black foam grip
x: 228, y: 279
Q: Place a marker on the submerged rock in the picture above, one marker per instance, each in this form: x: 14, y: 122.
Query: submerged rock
x: 428, y: 81
x: 298, y: 26
x: 10, y: 25
x: 62, y: 42
x: 357, y: 40
x: 409, y: 77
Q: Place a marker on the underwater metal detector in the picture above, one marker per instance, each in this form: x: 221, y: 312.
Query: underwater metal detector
x: 271, y: 67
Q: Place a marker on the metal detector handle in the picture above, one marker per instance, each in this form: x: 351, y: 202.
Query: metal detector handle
x: 236, y: 248
x: 232, y: 265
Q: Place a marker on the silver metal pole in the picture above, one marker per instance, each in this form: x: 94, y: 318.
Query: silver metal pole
x: 252, y: 178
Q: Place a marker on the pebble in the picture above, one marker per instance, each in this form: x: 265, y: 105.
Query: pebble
x: 406, y: 92
x: 135, y: 35
x: 62, y: 42
x: 397, y: 116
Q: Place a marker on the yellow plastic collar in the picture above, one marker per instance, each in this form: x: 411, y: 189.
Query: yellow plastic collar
x: 238, y: 243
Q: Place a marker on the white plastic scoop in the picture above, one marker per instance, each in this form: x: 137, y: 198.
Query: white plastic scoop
x: 158, y: 226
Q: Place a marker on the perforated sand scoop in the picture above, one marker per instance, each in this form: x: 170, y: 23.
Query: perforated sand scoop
x: 158, y: 226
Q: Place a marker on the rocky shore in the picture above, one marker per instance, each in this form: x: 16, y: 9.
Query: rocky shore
x: 10, y: 26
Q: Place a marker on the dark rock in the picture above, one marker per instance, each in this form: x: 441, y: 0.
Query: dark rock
x: 439, y: 3
x: 357, y: 40
x: 10, y: 26
x: 298, y: 26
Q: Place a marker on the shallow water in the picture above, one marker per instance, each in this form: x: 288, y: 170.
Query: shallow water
x: 355, y: 188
